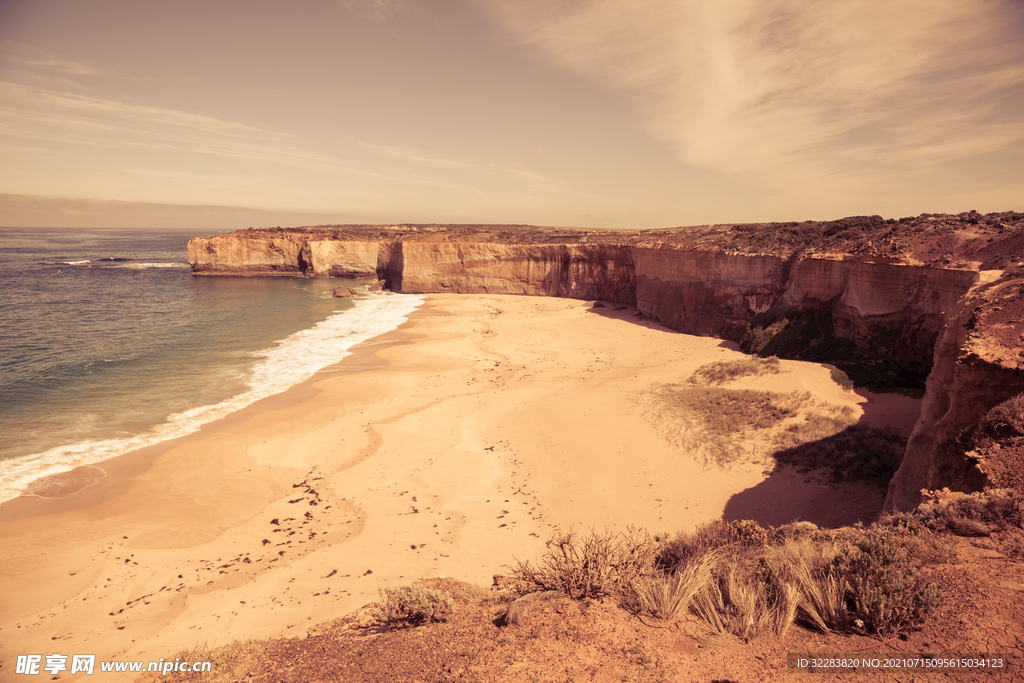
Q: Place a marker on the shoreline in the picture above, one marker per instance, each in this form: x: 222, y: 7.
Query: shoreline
x: 452, y: 445
x: 82, y: 481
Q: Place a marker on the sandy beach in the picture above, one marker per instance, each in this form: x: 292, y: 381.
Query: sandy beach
x: 450, y: 447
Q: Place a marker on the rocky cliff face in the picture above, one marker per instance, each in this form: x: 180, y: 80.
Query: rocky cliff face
x: 282, y: 254
x: 863, y: 291
x: 979, y: 363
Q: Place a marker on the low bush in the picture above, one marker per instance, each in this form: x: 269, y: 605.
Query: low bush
x: 884, y: 594
x: 726, y: 371
x: 678, y: 551
x: 850, y: 452
x: 839, y: 377
x: 590, y: 566
x: 761, y: 330
x: 413, y: 604
x: 1007, y: 418
x: 745, y: 580
x: 967, y: 514
x: 815, y: 427
x: 727, y: 411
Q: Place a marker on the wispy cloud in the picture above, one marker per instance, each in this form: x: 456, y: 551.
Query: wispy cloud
x: 45, y: 121
x: 791, y: 90
x: 378, y: 10
x: 30, y: 112
x: 16, y: 54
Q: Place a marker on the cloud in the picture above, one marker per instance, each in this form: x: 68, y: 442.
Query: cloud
x: 794, y: 90
x: 45, y: 122
x: 536, y: 154
x: 29, y: 112
x: 378, y: 10
x: 23, y: 55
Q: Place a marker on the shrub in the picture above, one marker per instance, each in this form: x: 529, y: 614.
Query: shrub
x: 590, y: 566
x: 839, y: 377
x: 1007, y: 418
x: 413, y: 604
x: 856, y: 453
x: 964, y: 513
x: 744, y: 580
x: 884, y: 594
x: 726, y: 371
x: 726, y: 411
x: 687, y: 547
x: 761, y: 330
x: 721, y: 426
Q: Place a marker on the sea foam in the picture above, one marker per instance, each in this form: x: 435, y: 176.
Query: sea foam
x: 290, y: 361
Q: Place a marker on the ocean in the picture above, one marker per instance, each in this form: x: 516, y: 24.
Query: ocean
x: 109, y: 344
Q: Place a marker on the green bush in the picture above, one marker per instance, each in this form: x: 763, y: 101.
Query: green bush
x: 413, y: 604
x: 761, y: 330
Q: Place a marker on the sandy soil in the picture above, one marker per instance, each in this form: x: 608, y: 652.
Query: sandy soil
x: 446, y: 448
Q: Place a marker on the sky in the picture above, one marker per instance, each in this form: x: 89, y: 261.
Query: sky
x: 586, y: 113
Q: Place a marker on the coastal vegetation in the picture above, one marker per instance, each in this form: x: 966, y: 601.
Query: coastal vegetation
x: 729, y: 370
x: 413, y: 604
x: 741, y: 579
x: 721, y: 426
x: 632, y: 601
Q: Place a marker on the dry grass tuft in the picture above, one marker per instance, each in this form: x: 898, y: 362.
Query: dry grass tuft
x: 849, y: 452
x: 670, y: 596
x: 744, y: 580
x: 722, y: 426
x: 729, y: 370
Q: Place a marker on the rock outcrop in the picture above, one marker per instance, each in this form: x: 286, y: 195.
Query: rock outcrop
x: 863, y: 291
x: 979, y: 363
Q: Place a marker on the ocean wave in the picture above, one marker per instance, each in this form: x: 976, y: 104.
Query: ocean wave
x: 75, y: 263
x: 151, y: 265
x: 290, y: 361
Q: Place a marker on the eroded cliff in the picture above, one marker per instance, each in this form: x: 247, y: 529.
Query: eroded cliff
x: 862, y: 293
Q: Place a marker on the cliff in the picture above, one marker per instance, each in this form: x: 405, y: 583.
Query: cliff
x: 892, y: 301
x: 978, y: 364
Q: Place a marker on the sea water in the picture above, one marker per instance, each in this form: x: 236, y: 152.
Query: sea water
x: 108, y: 343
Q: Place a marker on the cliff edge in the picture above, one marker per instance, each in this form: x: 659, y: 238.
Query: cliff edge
x: 930, y: 302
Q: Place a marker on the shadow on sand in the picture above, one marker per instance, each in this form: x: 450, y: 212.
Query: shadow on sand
x: 788, y: 495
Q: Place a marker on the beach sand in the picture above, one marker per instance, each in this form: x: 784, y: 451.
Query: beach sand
x: 450, y: 447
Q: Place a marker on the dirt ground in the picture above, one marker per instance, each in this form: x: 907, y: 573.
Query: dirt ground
x: 591, y: 640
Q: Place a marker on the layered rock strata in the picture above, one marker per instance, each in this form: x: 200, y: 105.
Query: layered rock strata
x: 979, y: 363
x: 877, y: 291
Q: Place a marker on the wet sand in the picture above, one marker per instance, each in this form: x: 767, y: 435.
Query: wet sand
x: 449, y: 447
